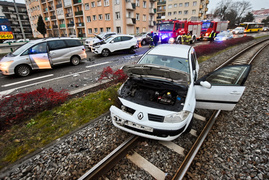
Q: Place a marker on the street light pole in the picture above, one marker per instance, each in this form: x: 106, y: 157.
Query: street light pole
x: 19, y: 20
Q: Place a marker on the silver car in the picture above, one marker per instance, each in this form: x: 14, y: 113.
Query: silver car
x: 42, y: 54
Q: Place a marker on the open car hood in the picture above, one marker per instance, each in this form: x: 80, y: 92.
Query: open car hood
x: 161, y: 72
x: 97, y: 36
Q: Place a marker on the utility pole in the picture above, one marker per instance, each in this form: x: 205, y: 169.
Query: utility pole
x: 19, y: 20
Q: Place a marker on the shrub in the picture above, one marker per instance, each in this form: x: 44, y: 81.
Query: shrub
x: 217, y: 46
x: 17, y: 108
x: 117, y: 76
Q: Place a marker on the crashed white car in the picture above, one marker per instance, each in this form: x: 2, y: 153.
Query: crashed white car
x: 98, y: 38
x: 159, y: 98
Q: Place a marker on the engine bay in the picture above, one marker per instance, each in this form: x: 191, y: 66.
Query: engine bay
x: 154, y: 93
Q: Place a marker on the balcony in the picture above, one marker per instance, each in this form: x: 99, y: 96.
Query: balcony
x: 207, y: 1
x: 201, y: 6
x: 48, y: 27
x: 43, y: 1
x: 79, y: 13
x: 59, y: 6
x: 52, y: 17
x: 161, y: 3
x: 151, y: 11
x: 55, y: 26
x: 151, y: 23
x: 69, y: 15
x: 80, y: 25
x: 51, y: 8
x: 70, y: 25
x: 131, y: 21
x: 47, y: 18
x: 62, y: 25
x: 77, y: 2
x: 130, y: 6
x: 45, y: 10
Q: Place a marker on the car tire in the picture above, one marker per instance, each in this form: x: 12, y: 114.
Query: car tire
x: 188, y: 129
x: 75, y: 60
x: 23, y: 70
x: 105, y: 52
x: 143, y: 43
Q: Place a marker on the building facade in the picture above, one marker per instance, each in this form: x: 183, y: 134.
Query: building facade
x: 8, y: 10
x: 260, y: 15
x: 181, y: 10
x: 83, y: 18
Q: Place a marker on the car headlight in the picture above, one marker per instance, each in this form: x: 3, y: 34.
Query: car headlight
x: 5, y: 65
x: 171, y: 41
x: 176, y: 117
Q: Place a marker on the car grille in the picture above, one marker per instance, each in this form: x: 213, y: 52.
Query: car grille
x: 156, y: 118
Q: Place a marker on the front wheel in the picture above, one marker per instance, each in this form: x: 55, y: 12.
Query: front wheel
x: 23, y: 70
x: 75, y: 61
x: 105, y: 52
x: 143, y: 43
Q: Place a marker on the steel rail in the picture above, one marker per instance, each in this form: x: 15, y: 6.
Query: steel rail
x: 110, y: 160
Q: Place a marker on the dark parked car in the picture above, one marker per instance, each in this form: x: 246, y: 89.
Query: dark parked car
x: 143, y: 38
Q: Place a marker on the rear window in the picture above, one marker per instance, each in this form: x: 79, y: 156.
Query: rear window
x: 59, y: 44
x: 73, y: 42
x: 125, y: 38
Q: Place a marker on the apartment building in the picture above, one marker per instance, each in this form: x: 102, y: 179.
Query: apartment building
x: 181, y: 9
x: 8, y: 10
x: 83, y: 18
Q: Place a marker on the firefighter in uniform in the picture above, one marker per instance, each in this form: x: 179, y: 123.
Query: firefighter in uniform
x: 151, y: 40
x: 155, y: 39
x: 212, y: 36
x: 183, y: 39
x: 188, y: 38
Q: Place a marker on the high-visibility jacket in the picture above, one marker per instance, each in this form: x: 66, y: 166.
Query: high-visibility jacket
x: 212, y: 33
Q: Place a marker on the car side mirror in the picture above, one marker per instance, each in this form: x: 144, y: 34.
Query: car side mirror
x: 205, y: 84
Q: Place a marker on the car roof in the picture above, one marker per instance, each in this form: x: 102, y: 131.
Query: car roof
x: 176, y: 50
x: 51, y: 39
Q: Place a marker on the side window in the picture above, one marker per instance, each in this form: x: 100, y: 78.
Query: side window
x: 73, y: 43
x: 176, y: 26
x: 59, y: 44
x: 211, y: 25
x: 126, y: 38
x: 39, y: 48
x: 117, y: 39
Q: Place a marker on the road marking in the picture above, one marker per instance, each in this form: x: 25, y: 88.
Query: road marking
x: 11, y: 84
x: 147, y: 166
x: 97, y: 64
x: 173, y: 147
x: 3, y: 93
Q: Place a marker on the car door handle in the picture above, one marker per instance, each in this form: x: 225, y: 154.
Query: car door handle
x: 235, y: 93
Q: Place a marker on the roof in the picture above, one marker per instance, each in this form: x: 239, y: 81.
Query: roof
x: 176, y: 50
x: 50, y: 39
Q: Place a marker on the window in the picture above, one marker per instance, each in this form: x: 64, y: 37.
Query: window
x: 179, y: 12
x: 93, y: 4
x: 106, y: 2
x: 169, y: 13
x: 144, y: 4
x: 99, y: 3
x: 87, y: 7
x: 59, y: 44
x: 125, y: 38
x: 95, y: 30
x: 174, y: 12
x: 118, y: 30
x: 73, y: 43
x: 107, y: 16
x: 100, y: 16
x: 117, y: 1
x: 117, y: 39
x: 180, y: 4
x: 137, y: 30
x: 186, y: 4
x: 94, y: 17
x: 175, y: 5
x: 101, y: 30
x: 170, y: 6
x: 88, y: 18
x: 193, y: 12
x: 185, y: 12
x: 117, y: 15
x: 137, y: 16
x: 108, y: 29
x: 194, y: 3
x: 144, y: 17
x: 137, y: 3
x: 90, y: 30
x: 39, y: 48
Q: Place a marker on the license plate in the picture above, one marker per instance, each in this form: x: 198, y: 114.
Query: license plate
x: 134, y: 125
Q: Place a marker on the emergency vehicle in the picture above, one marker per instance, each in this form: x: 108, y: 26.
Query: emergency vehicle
x: 208, y: 26
x: 172, y: 30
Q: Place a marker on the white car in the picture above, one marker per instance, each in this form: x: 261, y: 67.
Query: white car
x: 223, y: 36
x: 9, y: 41
x: 161, y: 93
x: 22, y: 40
x: 115, y: 43
x: 238, y: 30
x: 100, y: 37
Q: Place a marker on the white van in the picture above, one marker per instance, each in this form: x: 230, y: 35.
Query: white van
x: 42, y: 54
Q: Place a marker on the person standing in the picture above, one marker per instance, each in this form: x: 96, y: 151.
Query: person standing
x: 155, y: 39
x: 151, y: 40
x: 212, y: 36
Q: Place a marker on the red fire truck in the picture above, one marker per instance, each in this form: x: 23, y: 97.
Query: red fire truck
x: 172, y: 30
x: 216, y: 26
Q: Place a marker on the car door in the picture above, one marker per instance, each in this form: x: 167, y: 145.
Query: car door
x: 116, y: 44
x: 226, y: 90
x: 38, y: 55
x: 58, y: 51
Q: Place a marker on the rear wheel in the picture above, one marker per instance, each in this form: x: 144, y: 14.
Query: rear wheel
x: 105, y: 52
x: 75, y: 61
x: 23, y: 70
x: 143, y: 43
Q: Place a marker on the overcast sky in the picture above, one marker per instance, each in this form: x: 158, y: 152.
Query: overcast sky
x: 256, y: 4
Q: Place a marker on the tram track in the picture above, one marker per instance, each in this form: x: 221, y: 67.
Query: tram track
x: 178, y: 173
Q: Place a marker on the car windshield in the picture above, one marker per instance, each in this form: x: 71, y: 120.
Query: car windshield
x: 102, y: 34
x: 167, y: 61
x: 205, y: 25
x: 109, y: 38
x: 22, y: 49
x: 166, y: 27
